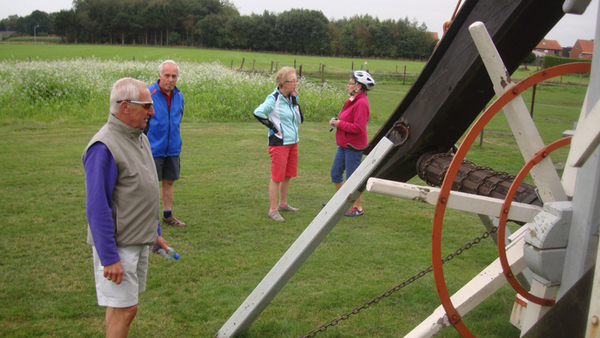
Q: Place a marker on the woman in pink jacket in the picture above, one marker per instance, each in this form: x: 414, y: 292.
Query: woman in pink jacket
x: 351, y: 127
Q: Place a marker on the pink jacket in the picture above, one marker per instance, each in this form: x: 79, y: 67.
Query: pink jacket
x: 353, y: 122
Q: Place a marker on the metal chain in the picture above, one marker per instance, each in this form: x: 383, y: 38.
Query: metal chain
x: 422, y: 273
x: 502, y: 176
x: 428, y: 162
x: 464, y: 176
x: 481, y: 182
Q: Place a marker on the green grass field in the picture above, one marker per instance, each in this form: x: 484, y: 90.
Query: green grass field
x: 229, y: 245
x: 264, y: 61
x: 388, y: 70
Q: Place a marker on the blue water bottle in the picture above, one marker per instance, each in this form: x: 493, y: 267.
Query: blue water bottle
x: 332, y: 126
x: 171, y: 254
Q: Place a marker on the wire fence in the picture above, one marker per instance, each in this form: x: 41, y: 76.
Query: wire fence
x: 398, y: 74
x: 321, y: 73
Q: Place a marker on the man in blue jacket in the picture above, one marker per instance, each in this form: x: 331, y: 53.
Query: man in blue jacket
x: 164, y: 134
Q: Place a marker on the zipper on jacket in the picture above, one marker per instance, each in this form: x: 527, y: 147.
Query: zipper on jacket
x: 169, y: 120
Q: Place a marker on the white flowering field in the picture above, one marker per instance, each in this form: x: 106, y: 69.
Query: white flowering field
x: 63, y: 90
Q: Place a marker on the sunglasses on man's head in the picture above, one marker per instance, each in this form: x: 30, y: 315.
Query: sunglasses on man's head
x: 145, y: 105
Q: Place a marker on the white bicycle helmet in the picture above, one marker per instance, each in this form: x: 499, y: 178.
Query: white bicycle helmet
x: 364, y: 78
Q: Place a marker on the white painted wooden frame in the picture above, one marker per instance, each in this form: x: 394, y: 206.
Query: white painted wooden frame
x: 482, y: 205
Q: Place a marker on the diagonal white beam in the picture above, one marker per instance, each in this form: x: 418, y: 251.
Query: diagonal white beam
x: 304, y: 246
x: 586, y: 138
x: 457, y: 200
x: 528, y: 138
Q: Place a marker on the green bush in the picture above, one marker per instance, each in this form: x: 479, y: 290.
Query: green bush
x: 31, y: 39
x: 551, y: 61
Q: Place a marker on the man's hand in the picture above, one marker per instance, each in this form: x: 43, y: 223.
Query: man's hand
x: 114, y: 272
x: 162, y: 243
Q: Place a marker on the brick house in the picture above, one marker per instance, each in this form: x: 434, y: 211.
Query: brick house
x: 548, y: 47
x: 583, y: 49
x: 8, y: 34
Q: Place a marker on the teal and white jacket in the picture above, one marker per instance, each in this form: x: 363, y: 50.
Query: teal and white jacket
x: 280, y: 115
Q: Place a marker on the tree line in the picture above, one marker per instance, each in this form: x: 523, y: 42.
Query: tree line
x: 218, y: 24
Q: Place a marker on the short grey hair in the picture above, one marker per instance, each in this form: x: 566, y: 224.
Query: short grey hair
x: 125, y: 89
x: 283, y: 75
x: 160, y: 67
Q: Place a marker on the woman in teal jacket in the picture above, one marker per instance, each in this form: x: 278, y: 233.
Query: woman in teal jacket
x: 281, y: 114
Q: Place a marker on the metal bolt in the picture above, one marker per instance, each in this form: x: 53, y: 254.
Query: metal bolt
x: 595, y: 320
x: 455, y: 319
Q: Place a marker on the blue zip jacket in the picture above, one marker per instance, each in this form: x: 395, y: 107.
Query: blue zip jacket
x: 164, y: 127
x: 280, y: 115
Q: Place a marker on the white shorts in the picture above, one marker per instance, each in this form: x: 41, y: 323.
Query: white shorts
x: 134, y: 259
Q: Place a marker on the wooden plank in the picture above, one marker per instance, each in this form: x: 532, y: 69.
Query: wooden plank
x: 457, y: 200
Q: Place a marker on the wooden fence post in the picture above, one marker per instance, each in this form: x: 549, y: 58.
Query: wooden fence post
x: 294, y: 63
x: 277, y: 66
x: 271, y: 66
x: 242, y: 65
x: 300, y: 72
x: 352, y: 66
x: 232, y: 64
x: 404, y: 80
x: 253, y: 61
x: 481, y: 135
x: 532, y: 100
x: 481, y: 138
x: 322, y: 74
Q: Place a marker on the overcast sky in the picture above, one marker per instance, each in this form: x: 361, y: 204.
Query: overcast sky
x: 433, y: 12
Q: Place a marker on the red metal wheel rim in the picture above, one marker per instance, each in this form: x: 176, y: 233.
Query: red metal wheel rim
x: 438, y: 219
x: 510, y: 277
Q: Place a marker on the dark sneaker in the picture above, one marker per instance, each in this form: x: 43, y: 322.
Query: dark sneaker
x: 276, y: 216
x: 324, y: 204
x: 287, y: 208
x: 354, y: 212
x: 173, y: 222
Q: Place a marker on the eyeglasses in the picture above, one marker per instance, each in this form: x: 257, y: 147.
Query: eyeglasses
x: 145, y: 105
x: 295, y: 81
x: 351, y: 83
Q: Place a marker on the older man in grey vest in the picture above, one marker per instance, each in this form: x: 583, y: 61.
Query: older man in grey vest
x: 122, y: 204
